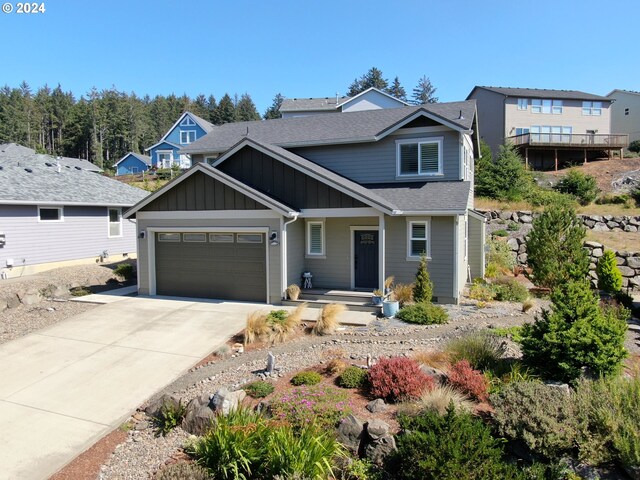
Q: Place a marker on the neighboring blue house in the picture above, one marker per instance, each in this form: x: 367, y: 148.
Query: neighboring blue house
x: 133, y: 163
x: 186, y: 130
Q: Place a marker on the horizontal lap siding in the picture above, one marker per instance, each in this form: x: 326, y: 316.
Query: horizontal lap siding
x: 376, y: 162
x: 230, y: 224
x: 82, y: 234
x: 476, y: 247
x: 295, y: 251
x: 441, y: 264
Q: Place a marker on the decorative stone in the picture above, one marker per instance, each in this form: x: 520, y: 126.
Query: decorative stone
x: 153, y: 409
x: 630, y: 228
x: 438, y: 375
x: 612, y: 224
x: 505, y: 215
x: 378, y: 450
x: 12, y: 301
x: 563, y: 387
x: 607, y: 218
x: 369, y: 360
x: 626, y: 271
x: 3, y: 304
x: 376, y: 406
x: 271, y: 363
x: 625, y: 282
x: 142, y: 425
x: 633, y: 262
x: 592, y: 244
x: 522, y: 258
x: 589, y: 223
x: 199, y: 418
x: 634, y: 282
x: 522, y: 248
x: 513, y: 244
x: 592, y: 266
x: 600, y: 227
x: 526, y: 219
x: 351, y: 432
x: 376, y: 429
x: 514, y: 217
x: 30, y: 297
x: 597, y: 252
x: 620, y: 261
x: 224, y: 401
x: 596, y: 218
x: 593, y: 274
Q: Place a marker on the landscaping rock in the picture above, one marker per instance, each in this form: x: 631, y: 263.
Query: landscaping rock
x: 592, y: 244
x: 13, y: 301
x: 513, y: 244
x: 600, y: 227
x: 438, y: 375
x: 626, y: 271
x: 153, y: 409
x: 30, y: 297
x: 563, y: 387
x: 351, y: 432
x: 526, y: 219
x: 224, y: 401
x: 3, y: 304
x: 378, y: 450
x: 376, y: 406
x: 597, y: 252
x: 199, y: 417
x: 271, y: 363
x: 633, y: 262
x: 522, y: 258
x: 376, y: 429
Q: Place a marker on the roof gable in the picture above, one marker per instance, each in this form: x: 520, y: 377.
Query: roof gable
x: 162, y: 142
x: 372, y: 93
x: 201, y: 122
x: 141, y: 158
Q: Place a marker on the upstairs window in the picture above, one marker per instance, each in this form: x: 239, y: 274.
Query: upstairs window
x: 521, y: 131
x: 187, y: 122
x: 556, y: 107
x: 592, y: 108
x: 546, y: 106
x: 50, y: 214
x: 315, y: 238
x: 536, y: 105
x: 115, y: 222
x: 418, y: 236
x: 523, y: 103
x: 187, y: 136
x: 419, y: 157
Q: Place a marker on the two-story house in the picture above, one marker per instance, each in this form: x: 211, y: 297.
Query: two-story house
x: 349, y: 197
x: 625, y: 112
x: 551, y: 127
x: 370, y: 99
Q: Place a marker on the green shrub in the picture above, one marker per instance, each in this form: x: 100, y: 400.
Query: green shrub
x: 514, y: 332
x: 423, y: 287
x: 513, y: 227
x: 353, y: 377
x: 126, y: 271
x: 501, y: 255
x: 482, y: 350
x: 258, y: 389
x: 169, y: 416
x: 612, y: 199
x: 634, y: 146
x: 182, y: 471
x: 509, y: 372
x: 307, y: 377
x: 502, y: 178
x: 500, y: 233
x: 555, y: 247
x: 576, y: 334
x: 509, y: 290
x: 324, y: 406
x: 277, y: 316
x: 453, y: 446
x: 609, y: 276
x: 542, y: 197
x: 423, y: 314
x: 360, y: 470
x: 541, y: 416
x: 481, y: 291
x: 583, y: 187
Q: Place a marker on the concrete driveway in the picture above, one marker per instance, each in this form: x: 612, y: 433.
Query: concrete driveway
x: 64, y: 387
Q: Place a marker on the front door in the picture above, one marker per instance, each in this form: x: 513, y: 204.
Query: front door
x: 365, y: 259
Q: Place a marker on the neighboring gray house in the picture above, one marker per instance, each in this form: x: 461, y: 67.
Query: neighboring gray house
x: 625, y: 113
x: 370, y: 99
x: 551, y: 127
x: 350, y: 197
x: 54, y: 213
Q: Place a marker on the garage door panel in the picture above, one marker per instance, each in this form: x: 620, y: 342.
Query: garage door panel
x: 233, y: 271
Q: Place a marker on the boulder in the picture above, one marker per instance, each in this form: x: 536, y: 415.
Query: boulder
x: 376, y: 429
x: 592, y: 244
x: 562, y: 387
x: 505, y: 215
x: 13, y: 301
x: 522, y: 258
x: 378, y: 450
x: 30, y: 296
x: 3, y: 304
x: 633, y: 262
x: 513, y: 244
x: 224, y: 401
x: 438, y: 375
x: 351, y: 433
x: 634, y: 221
x: 630, y: 228
x: 600, y: 227
x: 199, y: 417
x: 376, y: 406
x: 526, y: 218
x: 620, y: 261
x: 153, y: 409
x: 626, y: 271
x: 596, y: 252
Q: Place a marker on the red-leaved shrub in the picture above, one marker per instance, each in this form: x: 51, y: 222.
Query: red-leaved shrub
x: 398, y: 378
x: 469, y: 381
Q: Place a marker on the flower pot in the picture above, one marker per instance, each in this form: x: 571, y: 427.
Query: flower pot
x: 376, y: 300
x: 390, y: 308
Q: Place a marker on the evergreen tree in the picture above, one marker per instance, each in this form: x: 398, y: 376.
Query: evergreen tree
x: 504, y: 178
x: 226, y: 110
x: 199, y: 106
x: 609, y: 276
x: 424, y: 92
x: 274, y: 110
x: 373, y: 78
x: 246, y: 109
x: 555, y: 250
x: 576, y: 334
x: 212, y: 110
x: 397, y: 90
x: 423, y: 287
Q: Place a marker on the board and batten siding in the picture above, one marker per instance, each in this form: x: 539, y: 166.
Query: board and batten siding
x: 463, y: 259
x: 229, y: 225
x: 440, y: 266
x: 476, y: 247
x: 295, y: 251
x: 375, y: 162
x: 82, y: 234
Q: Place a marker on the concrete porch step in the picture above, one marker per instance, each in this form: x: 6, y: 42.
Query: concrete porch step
x: 354, y: 306
x: 333, y: 296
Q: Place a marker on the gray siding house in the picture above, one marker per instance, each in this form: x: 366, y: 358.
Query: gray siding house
x: 54, y: 212
x: 625, y: 112
x: 351, y: 197
x: 550, y: 127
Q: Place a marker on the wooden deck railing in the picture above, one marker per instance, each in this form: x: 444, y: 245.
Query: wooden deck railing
x: 578, y: 140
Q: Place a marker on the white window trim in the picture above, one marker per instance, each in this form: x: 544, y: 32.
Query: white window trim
x: 410, y: 223
x: 187, y: 122
x: 182, y: 142
x: 308, y: 253
x: 60, y: 210
x: 438, y: 140
x: 526, y: 104
x: 186, y: 240
x: 559, y: 106
x: 109, y: 222
x: 161, y: 162
x: 591, y: 109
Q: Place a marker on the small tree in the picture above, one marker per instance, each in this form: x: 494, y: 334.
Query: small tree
x: 609, y: 276
x: 502, y: 178
x: 583, y: 187
x: 575, y: 334
x: 555, y: 247
x: 634, y: 146
x: 423, y: 288
x: 424, y: 92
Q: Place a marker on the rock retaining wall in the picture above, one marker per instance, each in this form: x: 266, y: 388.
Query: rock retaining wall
x: 628, y: 262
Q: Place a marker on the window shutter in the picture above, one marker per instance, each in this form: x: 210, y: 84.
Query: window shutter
x: 409, y: 159
x: 315, y: 239
x: 429, y: 158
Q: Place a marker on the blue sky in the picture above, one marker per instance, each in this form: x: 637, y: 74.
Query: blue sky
x: 316, y: 48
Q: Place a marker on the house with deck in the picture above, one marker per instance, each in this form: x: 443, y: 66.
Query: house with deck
x: 187, y: 129
x: 54, y: 213
x: 551, y: 128
x: 370, y: 99
x: 343, y: 199
x: 625, y: 112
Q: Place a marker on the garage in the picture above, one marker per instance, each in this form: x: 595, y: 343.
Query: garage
x: 220, y: 265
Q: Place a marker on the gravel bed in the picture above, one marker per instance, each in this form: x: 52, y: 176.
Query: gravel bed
x: 143, y: 453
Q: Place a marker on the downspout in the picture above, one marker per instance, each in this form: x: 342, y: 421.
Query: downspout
x: 283, y: 255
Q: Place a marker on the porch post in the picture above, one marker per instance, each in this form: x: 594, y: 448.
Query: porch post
x: 555, y: 152
x: 585, y: 156
x: 526, y: 157
x: 381, y: 251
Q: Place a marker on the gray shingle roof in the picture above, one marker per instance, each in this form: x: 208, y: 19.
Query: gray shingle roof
x: 425, y: 196
x: 25, y: 177
x: 330, y: 128
x: 19, y: 150
x: 544, y: 93
x: 317, y: 104
x: 206, y: 126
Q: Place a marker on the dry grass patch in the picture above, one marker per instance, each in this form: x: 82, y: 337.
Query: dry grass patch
x: 439, y: 398
x: 434, y: 359
x: 328, y: 319
x: 491, y: 204
x: 275, y: 326
x: 620, y: 241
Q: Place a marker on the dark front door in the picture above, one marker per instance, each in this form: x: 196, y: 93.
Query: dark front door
x: 365, y: 259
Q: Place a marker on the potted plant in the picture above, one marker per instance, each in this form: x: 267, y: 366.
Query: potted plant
x: 293, y: 291
x: 390, y: 306
x: 388, y: 283
x: 378, y: 295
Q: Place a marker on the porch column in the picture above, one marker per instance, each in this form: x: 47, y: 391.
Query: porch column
x: 381, y: 251
x: 585, y: 156
x: 526, y: 157
x: 555, y: 151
